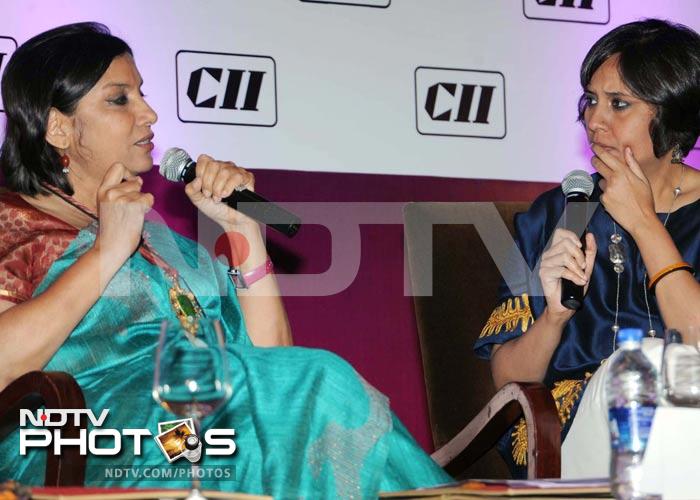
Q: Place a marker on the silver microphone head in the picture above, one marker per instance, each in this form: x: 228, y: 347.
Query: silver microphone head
x: 173, y: 163
x: 577, y: 181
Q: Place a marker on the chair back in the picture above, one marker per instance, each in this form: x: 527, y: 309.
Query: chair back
x: 445, y: 245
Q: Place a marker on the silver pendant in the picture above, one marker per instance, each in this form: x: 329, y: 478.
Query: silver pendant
x: 616, y: 253
x: 617, y: 257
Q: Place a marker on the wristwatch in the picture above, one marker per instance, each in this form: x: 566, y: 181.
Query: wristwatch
x: 246, y: 280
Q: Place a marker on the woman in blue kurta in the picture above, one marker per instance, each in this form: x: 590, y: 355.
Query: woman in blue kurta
x: 77, y: 258
x: 641, y: 110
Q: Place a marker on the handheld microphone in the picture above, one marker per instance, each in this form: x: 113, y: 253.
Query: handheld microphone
x: 177, y: 166
x: 577, y: 187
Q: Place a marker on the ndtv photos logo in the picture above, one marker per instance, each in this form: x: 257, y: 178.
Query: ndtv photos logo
x: 577, y: 11
x: 460, y: 102
x: 229, y: 89
x: 175, y: 438
x: 7, y: 47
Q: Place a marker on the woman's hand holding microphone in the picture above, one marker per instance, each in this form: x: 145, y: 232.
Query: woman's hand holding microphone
x: 216, y: 180
x: 565, y: 259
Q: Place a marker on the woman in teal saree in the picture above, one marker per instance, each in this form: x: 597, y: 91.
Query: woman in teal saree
x: 77, y: 258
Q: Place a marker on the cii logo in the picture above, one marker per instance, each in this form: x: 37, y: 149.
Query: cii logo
x: 460, y: 102
x: 7, y: 47
x: 231, y: 89
x: 364, y: 3
x: 578, y: 11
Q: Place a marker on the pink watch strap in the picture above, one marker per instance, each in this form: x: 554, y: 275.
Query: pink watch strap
x: 259, y: 272
x: 244, y: 281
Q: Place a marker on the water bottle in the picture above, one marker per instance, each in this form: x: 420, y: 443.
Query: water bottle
x: 672, y: 339
x: 631, y: 391
x: 680, y: 371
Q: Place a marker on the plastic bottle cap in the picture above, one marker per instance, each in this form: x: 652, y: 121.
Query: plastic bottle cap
x: 630, y: 335
x: 673, y: 337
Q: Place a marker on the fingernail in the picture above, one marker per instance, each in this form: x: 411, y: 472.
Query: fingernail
x: 207, y: 193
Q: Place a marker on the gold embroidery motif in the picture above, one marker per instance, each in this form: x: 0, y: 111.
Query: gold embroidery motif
x: 565, y: 394
x: 519, y: 436
x: 509, y: 314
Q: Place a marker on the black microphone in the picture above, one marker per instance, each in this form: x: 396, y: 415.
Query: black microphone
x: 177, y: 166
x: 577, y: 187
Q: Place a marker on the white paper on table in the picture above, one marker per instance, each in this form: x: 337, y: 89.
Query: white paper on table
x: 671, y: 464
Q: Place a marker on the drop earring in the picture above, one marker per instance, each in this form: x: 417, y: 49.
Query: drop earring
x: 677, y: 154
x: 65, y: 162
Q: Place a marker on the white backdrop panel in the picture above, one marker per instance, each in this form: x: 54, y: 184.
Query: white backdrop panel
x: 335, y: 87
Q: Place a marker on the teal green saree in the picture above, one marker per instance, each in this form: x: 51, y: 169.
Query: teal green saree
x: 306, y: 424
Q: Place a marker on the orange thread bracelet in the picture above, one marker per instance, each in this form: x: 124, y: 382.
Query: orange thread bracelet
x: 679, y: 266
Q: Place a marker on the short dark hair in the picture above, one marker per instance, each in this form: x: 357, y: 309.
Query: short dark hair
x: 659, y: 62
x: 54, y: 69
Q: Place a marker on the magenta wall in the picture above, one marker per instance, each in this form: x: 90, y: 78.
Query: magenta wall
x: 371, y: 324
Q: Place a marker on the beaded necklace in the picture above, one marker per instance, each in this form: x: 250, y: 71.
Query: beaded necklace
x: 182, y: 300
x: 617, y: 258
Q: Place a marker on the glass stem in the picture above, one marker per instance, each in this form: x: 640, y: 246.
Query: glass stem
x: 196, y: 484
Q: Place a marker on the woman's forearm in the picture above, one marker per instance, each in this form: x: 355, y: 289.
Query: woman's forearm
x: 31, y: 332
x: 526, y: 358
x: 263, y: 310
x: 677, y: 294
x: 265, y: 315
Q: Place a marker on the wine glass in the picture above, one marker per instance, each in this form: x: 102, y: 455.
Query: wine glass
x: 191, y: 380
